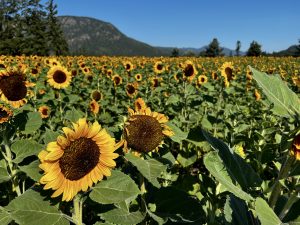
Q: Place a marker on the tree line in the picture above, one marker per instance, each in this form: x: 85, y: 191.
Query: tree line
x: 214, y: 50
x: 28, y: 27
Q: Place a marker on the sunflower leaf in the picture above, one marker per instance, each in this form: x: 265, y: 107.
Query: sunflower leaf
x: 50, y: 135
x: 73, y: 115
x: 216, y: 167
x: 33, y: 123
x: 25, y: 148
x: 151, y: 169
x: 286, y: 102
x: 179, y: 135
x: 32, y: 170
x: 4, y: 176
x: 265, y: 214
x: 117, y: 188
x: 30, y: 208
x: 5, y: 217
x: 122, y: 217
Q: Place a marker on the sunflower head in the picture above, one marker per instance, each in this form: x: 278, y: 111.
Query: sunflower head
x: 138, y: 77
x: 44, y: 111
x: 189, y: 70
x: 159, y: 67
x: 131, y: 89
x: 202, y: 79
x: 5, y: 114
x: 94, y: 107
x: 59, y: 77
x: 128, y: 66
x: 117, y: 80
x: 144, y: 130
x: 296, y: 147
x: 227, y: 71
x: 77, y: 159
x: 13, y: 87
x: 96, y: 95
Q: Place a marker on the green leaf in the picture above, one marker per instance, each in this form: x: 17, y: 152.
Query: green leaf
x: 4, y: 176
x: 31, y: 208
x: 286, y: 102
x: 121, y: 216
x: 216, y: 167
x: 50, y: 135
x: 236, y: 211
x: 25, y: 148
x: 117, y: 188
x: 179, y: 135
x: 73, y: 115
x: 99, y: 223
x: 32, y: 170
x: 177, y: 206
x: 151, y: 169
x: 186, y: 161
x: 237, y: 168
x: 33, y: 123
x: 265, y: 214
x: 5, y: 217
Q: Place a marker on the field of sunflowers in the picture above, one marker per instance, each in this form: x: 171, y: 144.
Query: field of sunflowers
x: 136, y: 140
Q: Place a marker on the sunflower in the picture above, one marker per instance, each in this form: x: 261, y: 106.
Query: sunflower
x: 144, y: 130
x: 159, y: 67
x: 96, y: 95
x: 296, y: 147
x: 131, y: 89
x: 138, y: 77
x: 117, y: 80
x: 214, y: 75
x: 109, y: 72
x: 189, y: 70
x: 128, y: 66
x: 77, y: 160
x: 94, y: 107
x: 202, y: 79
x: 59, y: 77
x: 5, y: 114
x: 257, y: 95
x: 13, y: 87
x: 44, y: 111
x: 227, y: 71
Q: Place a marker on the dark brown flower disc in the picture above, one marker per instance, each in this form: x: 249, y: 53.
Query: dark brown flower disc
x: 143, y: 133
x: 189, y: 70
x: 79, y: 158
x: 13, y: 87
x: 59, y: 76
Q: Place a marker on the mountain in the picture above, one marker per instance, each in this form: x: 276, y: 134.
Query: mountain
x: 88, y: 36
x: 291, y: 51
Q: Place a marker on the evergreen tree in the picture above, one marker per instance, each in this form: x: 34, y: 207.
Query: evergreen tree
x: 175, y: 52
x: 56, y: 41
x: 298, y: 48
x: 238, y: 48
x: 254, y: 49
x: 213, y: 49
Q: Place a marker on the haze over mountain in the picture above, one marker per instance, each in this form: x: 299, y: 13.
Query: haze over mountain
x: 89, y: 36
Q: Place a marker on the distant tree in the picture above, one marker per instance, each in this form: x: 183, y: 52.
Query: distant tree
x: 298, y: 48
x: 175, y: 52
x: 55, y: 37
x: 189, y: 53
x: 254, y: 49
x: 238, y: 48
x: 213, y: 49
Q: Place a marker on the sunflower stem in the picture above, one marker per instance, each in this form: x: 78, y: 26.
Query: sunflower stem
x: 283, y: 173
x: 77, y: 211
x: 13, y: 171
x: 143, y: 191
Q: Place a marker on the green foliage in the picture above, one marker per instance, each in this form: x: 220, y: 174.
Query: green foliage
x: 254, y: 49
x: 213, y: 49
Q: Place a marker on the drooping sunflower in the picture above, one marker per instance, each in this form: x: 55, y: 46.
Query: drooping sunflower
x: 59, y: 77
x: 94, y: 107
x: 144, y: 130
x: 189, y: 70
x: 159, y: 67
x: 13, y: 87
x: 5, y: 114
x: 131, y: 89
x: 296, y: 147
x: 78, y: 159
x: 227, y: 71
x: 44, y: 111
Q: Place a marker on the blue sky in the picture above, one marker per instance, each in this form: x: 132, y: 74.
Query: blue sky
x: 275, y: 24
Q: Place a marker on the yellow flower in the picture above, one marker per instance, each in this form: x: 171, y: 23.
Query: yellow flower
x: 5, y: 114
x: 189, y: 70
x: 296, y: 147
x: 44, y: 111
x: 227, y: 71
x: 94, y: 107
x: 77, y: 160
x: 59, y: 77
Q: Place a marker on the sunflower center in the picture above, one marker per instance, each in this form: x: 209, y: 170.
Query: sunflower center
x: 13, y: 87
x: 96, y: 95
x: 130, y: 89
x: 189, y: 70
x: 59, y: 76
x: 3, y: 114
x: 228, y: 72
x: 143, y: 133
x: 159, y: 67
x: 79, y: 158
x: 45, y: 111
